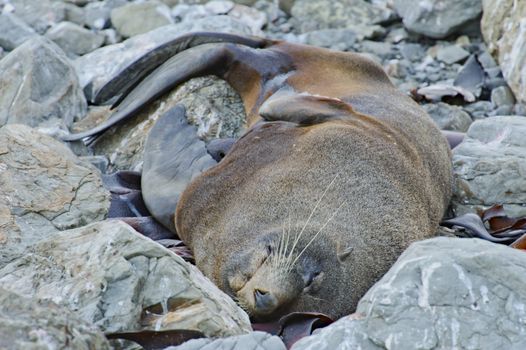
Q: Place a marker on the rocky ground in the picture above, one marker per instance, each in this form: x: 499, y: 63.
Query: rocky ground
x: 67, y: 275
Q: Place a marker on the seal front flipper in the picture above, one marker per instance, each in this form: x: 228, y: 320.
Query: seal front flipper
x: 173, y: 156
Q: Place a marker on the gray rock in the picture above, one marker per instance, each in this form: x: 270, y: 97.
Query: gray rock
x: 519, y: 109
x: 14, y: 31
x: 489, y: 164
x: 251, y: 341
x: 41, y: 14
x: 140, y: 17
x: 97, y: 14
x: 39, y: 87
x: 74, y: 14
x: 100, y: 66
x: 442, y: 293
x: 479, y: 109
x: 114, y: 277
x: 437, y: 18
x: 341, y: 39
x: 486, y: 60
x: 253, y: 18
x: 327, y: 14
x: 44, y: 188
x: 211, y: 104
x: 412, y: 52
x: 449, y: 117
x: 501, y: 96
x: 74, y: 39
x: 502, y: 110
x: 32, y: 324
x: 381, y: 49
x: 504, y: 31
x: 452, y: 54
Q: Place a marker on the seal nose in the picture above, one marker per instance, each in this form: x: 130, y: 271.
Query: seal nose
x: 265, y: 302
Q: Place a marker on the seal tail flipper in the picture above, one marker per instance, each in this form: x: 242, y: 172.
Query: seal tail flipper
x: 130, y: 76
x: 173, y: 156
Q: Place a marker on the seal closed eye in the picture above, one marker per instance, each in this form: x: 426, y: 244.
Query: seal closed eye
x: 337, y: 174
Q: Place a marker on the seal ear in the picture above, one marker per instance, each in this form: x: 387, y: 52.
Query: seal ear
x: 303, y: 108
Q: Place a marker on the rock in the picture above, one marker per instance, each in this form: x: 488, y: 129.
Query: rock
x: 502, y: 110
x: 31, y: 324
x: 140, y: 17
x: 211, y: 104
x: 39, y: 87
x: 519, y: 109
x: 504, y: 31
x: 479, y: 109
x: 119, y: 280
x: 501, y: 96
x: 13, y: 31
x: 326, y: 14
x: 442, y: 293
x: 249, y: 16
x: 437, y: 18
x: 41, y: 14
x: 44, y: 188
x: 489, y: 164
x: 449, y: 117
x: 339, y: 39
x: 451, y: 54
x: 412, y: 52
x: 251, y: 341
x: 381, y: 49
x: 97, y: 14
x: 74, y: 39
x: 74, y: 14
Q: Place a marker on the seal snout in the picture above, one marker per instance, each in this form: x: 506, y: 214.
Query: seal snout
x: 264, y: 301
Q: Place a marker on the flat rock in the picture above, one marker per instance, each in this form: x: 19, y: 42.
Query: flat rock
x: 251, y: 341
x: 119, y: 280
x: 449, y: 117
x: 74, y: 39
x: 451, y: 54
x: 211, y: 104
x: 140, y: 17
x: 39, y: 87
x: 14, y: 31
x: 41, y: 14
x: 100, y: 66
x: 489, y: 166
x: 44, y: 188
x: 504, y: 31
x: 31, y: 324
x: 437, y: 18
x: 442, y: 293
x: 327, y: 14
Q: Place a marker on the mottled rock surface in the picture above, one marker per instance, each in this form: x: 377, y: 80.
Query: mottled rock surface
x: 449, y: 117
x: 114, y: 277
x: 30, y: 324
x: 211, y: 104
x: 44, y: 188
x: 251, y: 341
x: 140, y: 17
x: 489, y: 166
x: 437, y: 18
x: 442, y: 293
x: 39, y: 87
x: 41, y: 14
x: 504, y: 28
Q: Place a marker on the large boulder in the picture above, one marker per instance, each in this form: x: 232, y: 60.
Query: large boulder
x: 504, y: 31
x: 32, y: 324
x: 489, y: 166
x: 437, y: 18
x: 39, y: 87
x: 44, y: 188
x: 442, y: 293
x: 119, y: 280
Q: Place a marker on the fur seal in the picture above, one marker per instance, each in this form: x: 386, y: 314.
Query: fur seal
x: 337, y: 174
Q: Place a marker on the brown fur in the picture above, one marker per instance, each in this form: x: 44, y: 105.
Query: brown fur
x: 388, y: 164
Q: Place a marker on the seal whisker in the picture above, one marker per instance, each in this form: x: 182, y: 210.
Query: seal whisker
x: 298, y: 237
x: 316, y: 235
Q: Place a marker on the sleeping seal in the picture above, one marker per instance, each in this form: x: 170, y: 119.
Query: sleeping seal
x: 337, y: 174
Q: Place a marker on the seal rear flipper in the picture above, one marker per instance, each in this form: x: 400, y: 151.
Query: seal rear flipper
x: 303, y: 108
x: 173, y: 156
x: 130, y: 76
x: 194, y: 62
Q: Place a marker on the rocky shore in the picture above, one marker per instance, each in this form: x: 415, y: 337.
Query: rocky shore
x: 69, y: 276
